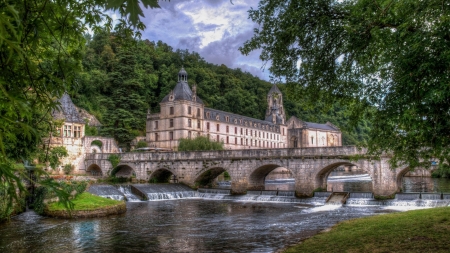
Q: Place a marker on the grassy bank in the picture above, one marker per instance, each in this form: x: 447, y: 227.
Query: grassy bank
x: 85, y: 202
x: 426, y: 230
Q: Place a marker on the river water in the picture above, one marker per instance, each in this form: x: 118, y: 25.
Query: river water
x: 212, y: 223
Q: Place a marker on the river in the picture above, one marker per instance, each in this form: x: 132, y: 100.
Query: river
x: 212, y: 224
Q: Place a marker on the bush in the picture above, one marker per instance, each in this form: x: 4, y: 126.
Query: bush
x: 141, y: 144
x: 198, y: 144
x: 68, y: 168
x: 114, y: 159
x: 41, y: 193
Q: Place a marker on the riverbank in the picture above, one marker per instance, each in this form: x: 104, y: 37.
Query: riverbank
x: 426, y: 230
x: 87, y: 205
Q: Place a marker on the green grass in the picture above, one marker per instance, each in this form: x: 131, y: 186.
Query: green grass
x: 85, y: 201
x: 425, y: 230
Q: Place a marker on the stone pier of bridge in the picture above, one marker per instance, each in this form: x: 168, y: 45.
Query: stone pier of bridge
x: 248, y: 168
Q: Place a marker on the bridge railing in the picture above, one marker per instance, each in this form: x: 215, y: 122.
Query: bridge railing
x: 236, y: 154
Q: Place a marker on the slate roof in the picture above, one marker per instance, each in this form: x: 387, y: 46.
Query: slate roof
x: 182, y: 91
x: 274, y: 89
x: 67, y: 111
x: 214, y: 113
x: 320, y: 126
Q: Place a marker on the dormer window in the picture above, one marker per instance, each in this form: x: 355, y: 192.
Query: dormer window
x: 217, y: 117
x: 189, y: 110
x: 171, y: 111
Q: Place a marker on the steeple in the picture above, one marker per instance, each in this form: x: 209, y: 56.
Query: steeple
x: 182, y: 75
x: 275, y: 110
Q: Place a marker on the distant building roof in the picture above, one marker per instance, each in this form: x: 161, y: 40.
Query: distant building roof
x: 297, y: 123
x: 182, y: 91
x: 67, y: 111
x: 274, y: 89
x: 232, y: 117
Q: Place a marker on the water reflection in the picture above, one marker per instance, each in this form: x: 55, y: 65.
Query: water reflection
x: 425, y: 184
x: 193, y: 225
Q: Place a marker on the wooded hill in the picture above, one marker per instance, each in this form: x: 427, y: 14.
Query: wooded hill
x: 123, y: 77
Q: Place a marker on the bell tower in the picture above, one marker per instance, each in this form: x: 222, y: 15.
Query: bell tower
x: 275, y: 110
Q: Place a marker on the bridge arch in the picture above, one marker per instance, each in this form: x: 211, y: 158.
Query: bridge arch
x: 94, y: 170
x: 163, y: 176
x: 257, y: 177
x: 206, y: 177
x: 323, y: 174
x: 123, y: 170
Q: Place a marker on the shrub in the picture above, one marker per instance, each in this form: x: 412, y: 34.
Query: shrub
x: 68, y: 168
x: 141, y: 144
x: 199, y: 143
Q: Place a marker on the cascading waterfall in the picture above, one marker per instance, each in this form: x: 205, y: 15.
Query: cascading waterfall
x: 106, y: 191
x: 165, y: 191
x: 126, y: 191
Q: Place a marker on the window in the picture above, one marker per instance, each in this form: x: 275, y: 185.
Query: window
x: 171, y: 110
x: 283, y: 131
x: 156, y: 137
x: 228, y: 140
x: 189, y: 110
x: 77, y: 131
x: 246, y: 142
x: 189, y: 134
x: 246, y: 131
x: 228, y: 129
x: 189, y: 123
x: 242, y: 141
x: 171, y: 123
x: 67, y: 131
x: 251, y: 132
x: 235, y: 130
x: 156, y: 124
x: 227, y: 119
x: 259, y: 134
x: 207, y: 126
x: 312, y: 140
x: 235, y: 141
x: 198, y: 123
x: 170, y: 135
x: 198, y: 112
x: 241, y: 131
x: 217, y: 128
x: 218, y: 138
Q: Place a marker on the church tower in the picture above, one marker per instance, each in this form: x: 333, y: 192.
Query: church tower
x: 275, y: 110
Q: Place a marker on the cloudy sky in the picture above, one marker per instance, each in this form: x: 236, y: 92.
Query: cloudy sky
x: 213, y: 28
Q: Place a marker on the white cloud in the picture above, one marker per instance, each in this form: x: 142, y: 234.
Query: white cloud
x: 213, y: 28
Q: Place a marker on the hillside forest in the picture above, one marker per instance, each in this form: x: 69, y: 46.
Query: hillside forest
x: 123, y: 77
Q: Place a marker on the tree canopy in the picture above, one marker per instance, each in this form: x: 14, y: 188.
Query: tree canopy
x: 41, y: 45
x: 387, y: 60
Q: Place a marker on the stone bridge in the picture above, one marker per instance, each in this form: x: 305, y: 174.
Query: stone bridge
x: 248, y: 168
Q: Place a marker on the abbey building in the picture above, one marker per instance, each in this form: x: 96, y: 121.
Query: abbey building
x: 184, y: 115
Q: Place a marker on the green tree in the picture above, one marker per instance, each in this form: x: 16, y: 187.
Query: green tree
x: 387, y: 59
x: 41, y: 47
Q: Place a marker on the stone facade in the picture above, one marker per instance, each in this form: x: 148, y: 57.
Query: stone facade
x: 71, y: 135
x: 310, y: 167
x: 183, y: 115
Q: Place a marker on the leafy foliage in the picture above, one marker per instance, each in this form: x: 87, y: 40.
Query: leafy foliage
x: 45, y: 193
x: 199, y: 143
x: 114, y: 160
x: 141, y: 144
x: 41, y: 47
x: 384, y: 60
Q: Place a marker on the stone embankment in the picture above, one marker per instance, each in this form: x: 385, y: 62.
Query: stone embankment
x: 101, y: 212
